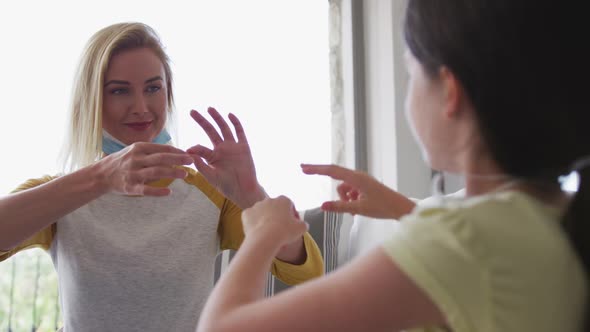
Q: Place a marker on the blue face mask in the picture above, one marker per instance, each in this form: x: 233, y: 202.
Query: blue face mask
x: 111, y: 145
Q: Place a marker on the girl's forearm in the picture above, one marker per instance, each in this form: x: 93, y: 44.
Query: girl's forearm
x: 400, y: 205
x: 241, y: 284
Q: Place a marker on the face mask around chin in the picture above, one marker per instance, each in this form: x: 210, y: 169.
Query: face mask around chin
x: 112, y: 145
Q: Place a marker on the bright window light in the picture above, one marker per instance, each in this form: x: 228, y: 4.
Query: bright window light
x: 264, y: 60
x: 570, y: 182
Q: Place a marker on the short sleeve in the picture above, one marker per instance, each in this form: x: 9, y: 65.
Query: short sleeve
x: 429, y: 247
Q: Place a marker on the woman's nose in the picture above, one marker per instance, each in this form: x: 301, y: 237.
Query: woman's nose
x: 139, y: 104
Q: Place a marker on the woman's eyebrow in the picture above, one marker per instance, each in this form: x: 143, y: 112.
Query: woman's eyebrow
x: 155, y: 78
x: 116, y: 82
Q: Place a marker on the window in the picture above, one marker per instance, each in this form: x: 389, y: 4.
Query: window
x: 264, y: 60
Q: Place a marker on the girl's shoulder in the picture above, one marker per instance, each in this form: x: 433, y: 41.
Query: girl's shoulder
x: 490, y: 225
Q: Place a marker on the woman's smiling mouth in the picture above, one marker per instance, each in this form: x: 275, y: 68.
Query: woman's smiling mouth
x: 139, y: 126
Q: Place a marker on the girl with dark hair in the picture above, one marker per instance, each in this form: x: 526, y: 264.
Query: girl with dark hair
x: 493, y: 95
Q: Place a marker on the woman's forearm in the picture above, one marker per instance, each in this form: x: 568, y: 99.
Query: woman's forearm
x: 24, y: 213
x: 293, y: 253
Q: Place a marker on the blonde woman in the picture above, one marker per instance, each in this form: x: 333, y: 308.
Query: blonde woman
x: 133, y: 232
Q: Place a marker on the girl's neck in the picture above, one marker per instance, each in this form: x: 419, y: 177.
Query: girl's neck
x: 483, y: 175
x: 490, y: 179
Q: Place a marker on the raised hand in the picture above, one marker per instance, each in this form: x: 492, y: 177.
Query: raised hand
x: 274, y: 219
x: 229, y: 165
x: 131, y: 169
x: 362, y: 194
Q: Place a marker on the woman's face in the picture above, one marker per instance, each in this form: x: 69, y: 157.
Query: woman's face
x: 134, y: 96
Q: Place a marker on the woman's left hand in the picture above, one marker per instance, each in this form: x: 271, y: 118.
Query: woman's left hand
x: 274, y: 219
x: 229, y: 165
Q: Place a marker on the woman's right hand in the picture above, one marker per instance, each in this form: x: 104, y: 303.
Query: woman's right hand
x: 362, y: 194
x: 130, y: 170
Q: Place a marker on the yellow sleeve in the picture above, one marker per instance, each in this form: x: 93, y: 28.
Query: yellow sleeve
x: 41, y: 239
x: 232, y: 234
x: 295, y: 274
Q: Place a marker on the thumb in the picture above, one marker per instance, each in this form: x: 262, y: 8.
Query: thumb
x: 203, y: 168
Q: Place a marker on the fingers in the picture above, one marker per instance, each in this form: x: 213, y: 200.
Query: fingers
x: 298, y: 228
x: 137, y: 182
x: 151, y: 148
x: 346, y: 191
x: 204, y: 169
x: 207, y: 127
x: 167, y: 159
x: 201, y: 151
x: 280, y: 205
x: 225, y: 129
x: 355, y: 178
x: 277, y: 218
x: 285, y: 203
x: 238, y: 127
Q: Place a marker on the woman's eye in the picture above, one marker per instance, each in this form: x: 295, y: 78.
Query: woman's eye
x: 119, y: 91
x: 153, y: 88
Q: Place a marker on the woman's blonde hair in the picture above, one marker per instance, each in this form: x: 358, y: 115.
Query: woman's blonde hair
x: 84, y: 144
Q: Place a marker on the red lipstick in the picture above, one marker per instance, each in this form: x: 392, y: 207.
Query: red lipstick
x: 139, y: 126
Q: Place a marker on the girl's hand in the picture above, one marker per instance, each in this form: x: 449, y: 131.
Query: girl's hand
x: 129, y: 170
x: 274, y: 219
x: 362, y: 194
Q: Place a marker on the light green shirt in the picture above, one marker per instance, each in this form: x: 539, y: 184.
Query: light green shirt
x: 498, y: 262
